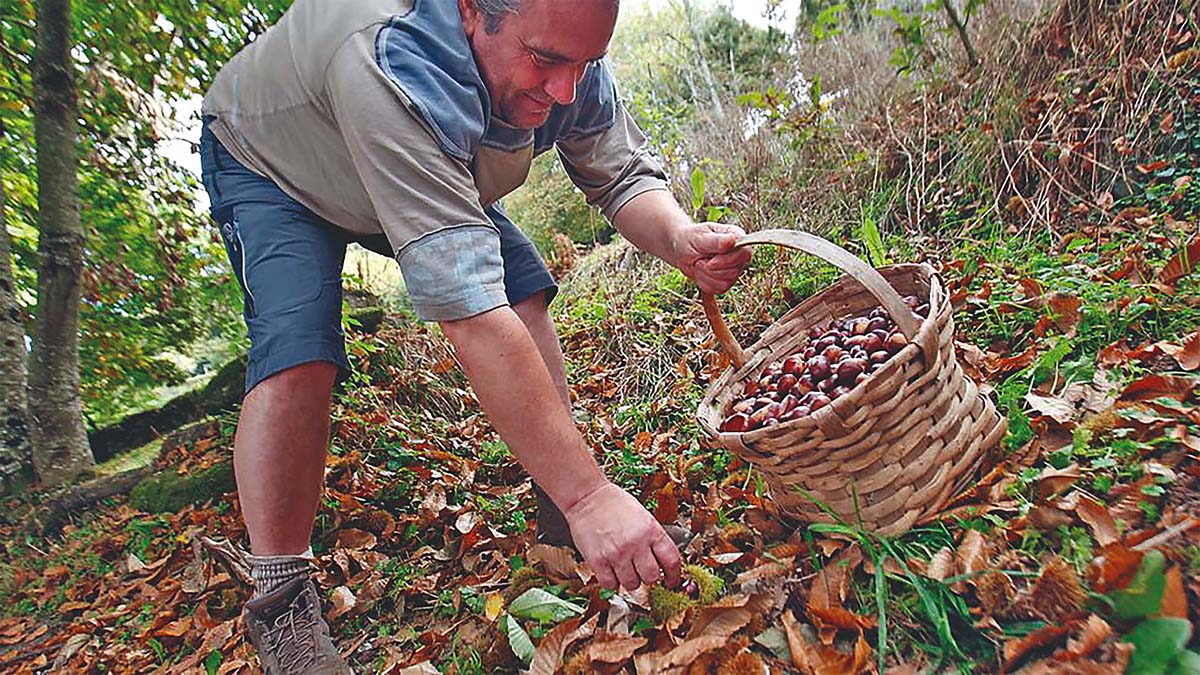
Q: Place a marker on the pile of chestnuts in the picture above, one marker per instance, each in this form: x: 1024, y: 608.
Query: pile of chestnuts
x: 835, y: 359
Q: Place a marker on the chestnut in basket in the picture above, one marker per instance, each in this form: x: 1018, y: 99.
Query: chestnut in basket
x: 838, y: 356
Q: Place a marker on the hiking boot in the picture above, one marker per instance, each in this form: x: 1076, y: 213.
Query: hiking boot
x: 289, y: 634
x: 553, y: 529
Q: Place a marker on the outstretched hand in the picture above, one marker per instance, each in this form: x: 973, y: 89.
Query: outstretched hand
x: 705, y: 253
x: 621, y: 541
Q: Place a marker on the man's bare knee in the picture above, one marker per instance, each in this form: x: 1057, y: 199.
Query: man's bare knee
x: 314, y: 375
x: 532, y: 307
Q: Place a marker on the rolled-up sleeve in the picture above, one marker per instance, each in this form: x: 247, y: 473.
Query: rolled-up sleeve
x: 612, y: 166
x: 426, y: 201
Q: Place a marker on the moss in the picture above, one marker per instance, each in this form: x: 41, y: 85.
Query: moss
x: 170, y: 491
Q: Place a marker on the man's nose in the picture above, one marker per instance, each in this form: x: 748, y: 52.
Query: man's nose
x: 561, y: 86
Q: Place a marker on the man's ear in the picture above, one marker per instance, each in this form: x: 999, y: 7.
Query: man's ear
x: 471, y: 19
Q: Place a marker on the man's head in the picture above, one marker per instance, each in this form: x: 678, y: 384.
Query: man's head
x: 532, y: 53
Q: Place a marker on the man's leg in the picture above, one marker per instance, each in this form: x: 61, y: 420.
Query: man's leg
x: 288, y: 262
x: 279, y: 457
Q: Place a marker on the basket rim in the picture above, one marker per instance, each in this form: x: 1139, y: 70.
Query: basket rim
x: 921, y: 271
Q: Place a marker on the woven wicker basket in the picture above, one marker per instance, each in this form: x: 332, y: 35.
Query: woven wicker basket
x: 897, y: 447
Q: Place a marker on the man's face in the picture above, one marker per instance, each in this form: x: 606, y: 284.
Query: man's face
x: 537, y: 56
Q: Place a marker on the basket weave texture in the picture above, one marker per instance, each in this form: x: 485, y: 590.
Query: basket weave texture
x: 892, y: 451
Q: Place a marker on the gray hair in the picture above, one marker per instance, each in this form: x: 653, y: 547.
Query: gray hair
x: 494, y: 11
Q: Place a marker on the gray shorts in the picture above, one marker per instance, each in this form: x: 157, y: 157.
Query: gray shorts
x: 288, y: 262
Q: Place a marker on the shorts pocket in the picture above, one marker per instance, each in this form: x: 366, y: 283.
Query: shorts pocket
x: 235, y: 249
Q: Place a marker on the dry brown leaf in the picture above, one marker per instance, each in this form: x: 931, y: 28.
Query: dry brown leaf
x: 682, y: 655
x: 941, y: 565
x: 355, y: 539
x: 1055, y: 408
x: 971, y: 557
x: 818, y: 659
x: 1187, y: 352
x: 1158, y: 385
x: 343, y: 601
x: 1174, y: 600
x: 1114, y: 568
x: 547, y: 658
x: 999, y: 366
x: 1015, y: 651
x: 1104, y: 528
x: 1066, y: 311
x: 558, y: 561
x: 176, y: 628
x: 1053, y: 481
x: 1095, y: 632
x: 613, y: 649
x: 729, y: 615
x: 1182, y: 264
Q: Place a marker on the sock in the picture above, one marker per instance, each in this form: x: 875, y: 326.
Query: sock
x: 271, y: 572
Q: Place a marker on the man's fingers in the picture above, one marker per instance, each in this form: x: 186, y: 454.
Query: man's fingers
x: 668, y: 560
x: 707, y: 243
x: 647, y: 566
x: 604, y: 574
x: 627, y: 575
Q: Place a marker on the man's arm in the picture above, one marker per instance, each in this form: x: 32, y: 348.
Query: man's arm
x: 616, y: 535
x: 654, y: 222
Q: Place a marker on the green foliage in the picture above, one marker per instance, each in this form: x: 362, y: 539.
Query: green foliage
x: 1143, y: 596
x: 538, y: 605
x: 518, y: 640
x: 154, y: 279
x: 1160, y: 647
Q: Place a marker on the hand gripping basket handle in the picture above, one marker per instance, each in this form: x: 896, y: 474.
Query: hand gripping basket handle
x: 833, y: 254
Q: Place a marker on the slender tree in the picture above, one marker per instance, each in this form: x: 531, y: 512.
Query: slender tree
x: 16, y: 452
x: 60, y: 443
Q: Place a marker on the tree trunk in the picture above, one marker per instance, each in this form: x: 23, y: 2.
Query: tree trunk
x: 702, y: 60
x: 60, y: 443
x: 16, y: 452
x: 961, y: 29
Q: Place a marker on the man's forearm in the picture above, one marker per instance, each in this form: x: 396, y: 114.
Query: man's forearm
x: 517, y: 393
x: 651, y: 221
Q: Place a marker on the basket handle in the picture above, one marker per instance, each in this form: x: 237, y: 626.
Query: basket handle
x: 831, y: 253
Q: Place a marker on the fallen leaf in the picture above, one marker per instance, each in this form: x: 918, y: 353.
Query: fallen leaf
x: 1095, y: 632
x: 612, y: 649
x: 1053, y: 481
x: 1187, y: 352
x: 1155, y: 386
x: 343, y: 601
x: 355, y: 539
x: 176, y: 628
x: 548, y: 657
x: 1055, y: 408
x: 941, y: 565
x: 1182, y: 264
x: 1015, y: 651
x: 558, y: 561
x: 684, y: 654
x: 493, y: 606
x: 1174, y: 600
x: 1115, y: 568
x: 1104, y: 528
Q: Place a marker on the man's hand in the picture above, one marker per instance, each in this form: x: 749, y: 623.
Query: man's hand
x: 705, y: 253
x: 621, y: 541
